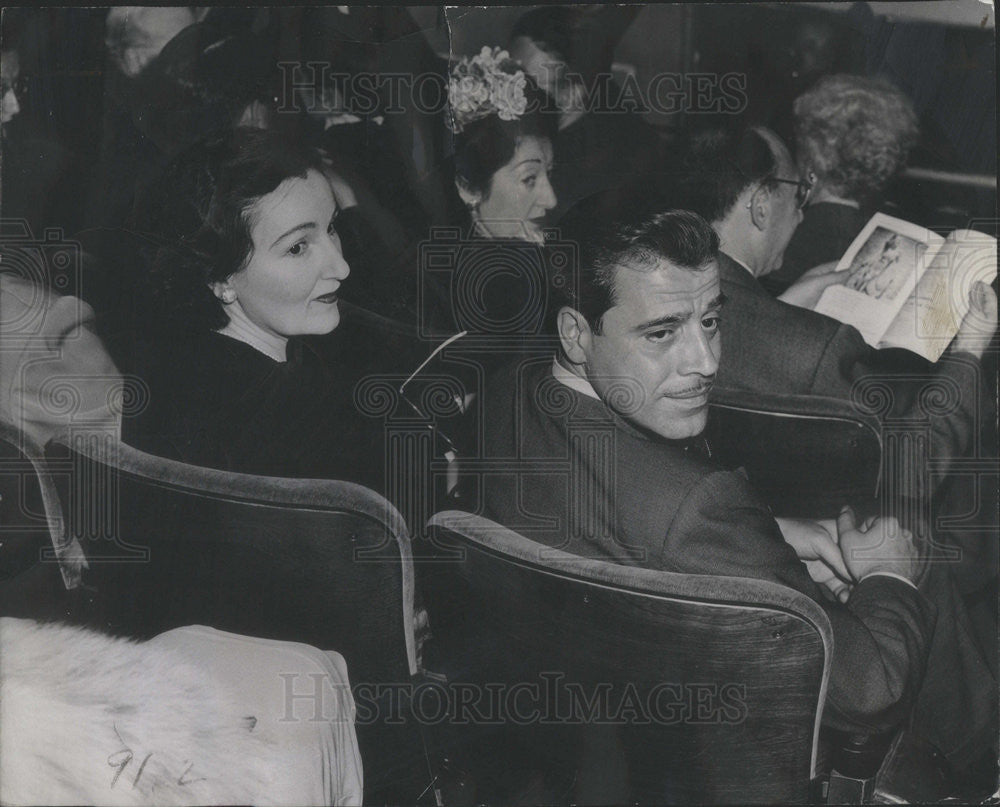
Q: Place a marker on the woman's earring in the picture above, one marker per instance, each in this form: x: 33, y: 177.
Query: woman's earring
x: 228, y: 296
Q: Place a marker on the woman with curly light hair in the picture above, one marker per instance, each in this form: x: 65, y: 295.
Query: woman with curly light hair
x: 852, y: 135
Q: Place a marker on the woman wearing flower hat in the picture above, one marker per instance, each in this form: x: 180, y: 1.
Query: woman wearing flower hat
x: 502, y: 128
x: 494, y: 282
x: 503, y: 146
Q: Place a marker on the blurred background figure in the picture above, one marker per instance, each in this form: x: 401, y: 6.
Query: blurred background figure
x: 177, y: 74
x: 601, y: 143
x: 206, y: 81
x: 16, y: 199
x: 793, y: 56
x: 9, y: 70
x: 336, y: 73
x: 378, y: 87
x: 852, y: 136
x: 135, y: 35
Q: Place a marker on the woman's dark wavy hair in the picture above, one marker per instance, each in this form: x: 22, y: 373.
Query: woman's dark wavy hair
x: 197, y: 219
x: 485, y: 146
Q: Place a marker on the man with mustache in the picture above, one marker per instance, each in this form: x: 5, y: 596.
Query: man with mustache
x: 610, y: 463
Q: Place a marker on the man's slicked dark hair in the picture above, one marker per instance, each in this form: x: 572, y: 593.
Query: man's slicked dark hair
x: 718, y: 165
x: 610, y: 231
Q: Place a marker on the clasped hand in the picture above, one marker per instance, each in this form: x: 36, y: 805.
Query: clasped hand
x: 818, y: 549
x: 840, y: 554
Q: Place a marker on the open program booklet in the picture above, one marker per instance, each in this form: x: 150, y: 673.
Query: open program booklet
x: 907, y: 287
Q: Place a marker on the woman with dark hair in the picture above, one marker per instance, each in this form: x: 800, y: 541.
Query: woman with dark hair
x: 245, y: 269
x: 852, y: 135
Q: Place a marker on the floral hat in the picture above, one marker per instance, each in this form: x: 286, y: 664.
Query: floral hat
x: 489, y: 83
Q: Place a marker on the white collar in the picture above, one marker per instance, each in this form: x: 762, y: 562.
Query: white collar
x: 824, y: 197
x: 571, y: 380
x: 240, y: 327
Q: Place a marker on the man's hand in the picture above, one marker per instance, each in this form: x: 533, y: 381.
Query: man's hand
x: 807, y: 290
x: 818, y: 550
x: 980, y: 321
x: 877, y: 545
x: 824, y: 576
x: 821, y: 269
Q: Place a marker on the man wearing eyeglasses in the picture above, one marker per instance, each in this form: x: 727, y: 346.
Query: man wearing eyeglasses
x: 600, y: 451
x: 747, y: 185
x: 767, y: 205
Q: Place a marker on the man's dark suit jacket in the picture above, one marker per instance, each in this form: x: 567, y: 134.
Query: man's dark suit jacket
x: 772, y: 347
x: 591, y: 484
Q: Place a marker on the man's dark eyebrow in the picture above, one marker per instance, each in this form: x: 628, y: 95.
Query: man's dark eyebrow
x: 307, y: 226
x: 663, y: 322
x: 670, y: 320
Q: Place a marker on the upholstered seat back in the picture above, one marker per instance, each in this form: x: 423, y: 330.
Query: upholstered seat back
x: 320, y: 562
x: 32, y: 551
x: 806, y: 455
x: 703, y: 689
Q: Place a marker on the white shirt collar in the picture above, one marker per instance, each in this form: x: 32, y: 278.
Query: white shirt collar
x: 575, y: 382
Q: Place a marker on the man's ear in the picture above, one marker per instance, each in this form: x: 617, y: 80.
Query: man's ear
x: 760, y: 207
x: 470, y: 198
x: 575, y: 335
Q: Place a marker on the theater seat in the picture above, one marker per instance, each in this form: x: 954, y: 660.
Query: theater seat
x: 806, y: 455
x: 39, y: 575
x: 614, y: 684
x: 321, y: 562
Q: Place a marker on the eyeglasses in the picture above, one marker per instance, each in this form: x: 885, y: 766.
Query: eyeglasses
x: 803, y: 188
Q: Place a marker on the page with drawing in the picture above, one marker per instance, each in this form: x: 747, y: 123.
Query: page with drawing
x: 884, y: 264
x: 931, y: 315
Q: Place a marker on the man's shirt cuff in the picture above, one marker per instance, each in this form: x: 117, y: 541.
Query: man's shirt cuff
x: 890, y: 574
